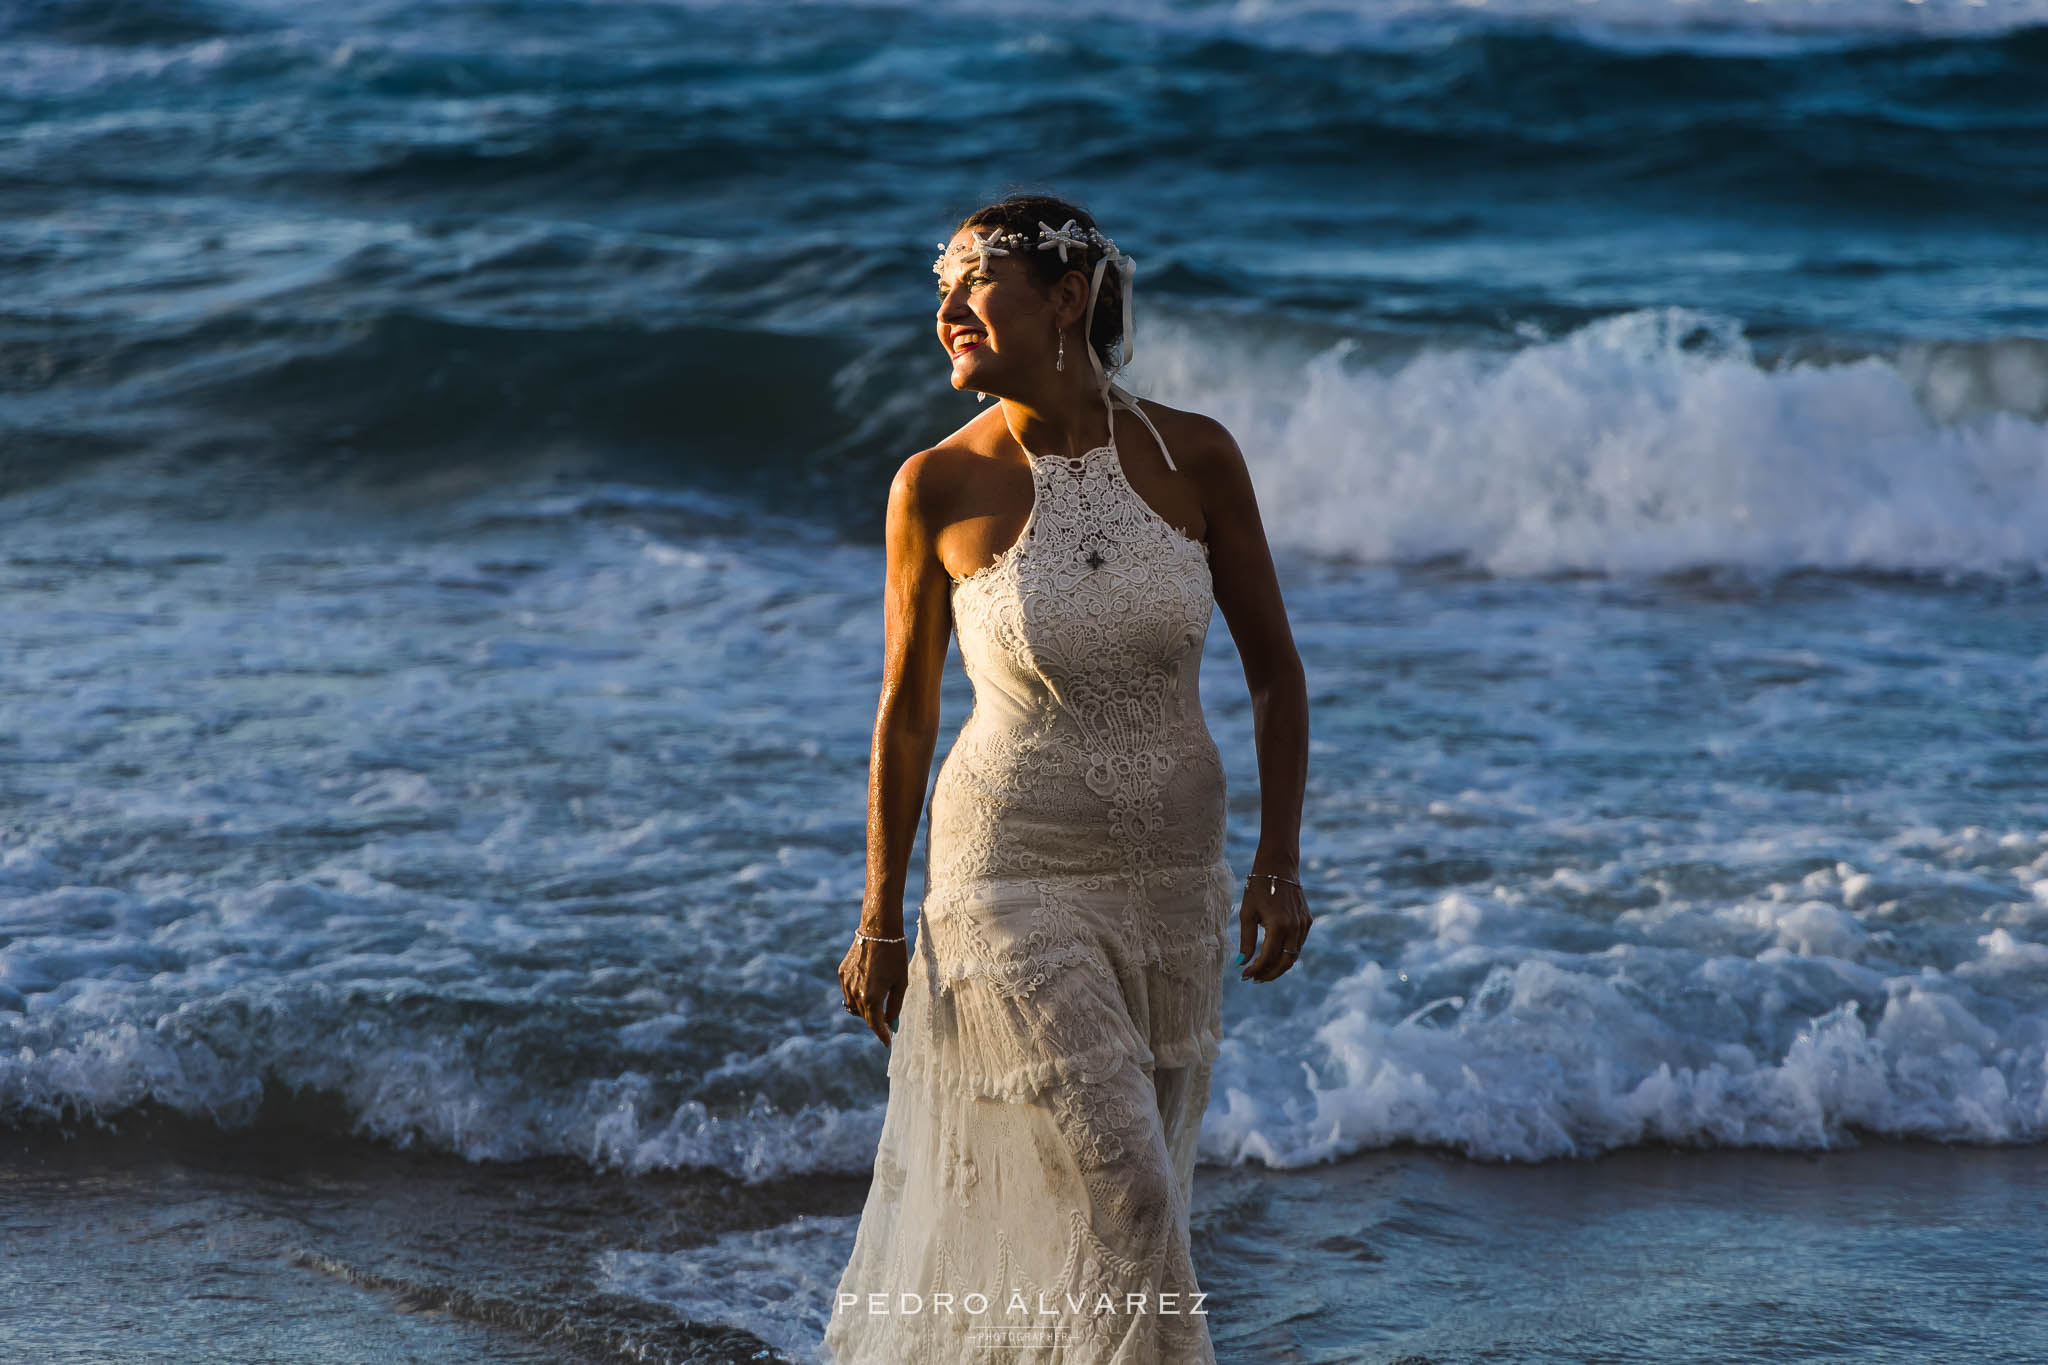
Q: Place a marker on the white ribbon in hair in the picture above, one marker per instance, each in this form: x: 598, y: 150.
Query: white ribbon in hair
x: 1113, y: 393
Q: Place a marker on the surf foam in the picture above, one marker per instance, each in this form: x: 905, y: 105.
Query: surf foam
x: 1647, y: 442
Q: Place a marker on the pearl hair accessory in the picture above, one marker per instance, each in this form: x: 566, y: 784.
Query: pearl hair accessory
x: 1069, y: 235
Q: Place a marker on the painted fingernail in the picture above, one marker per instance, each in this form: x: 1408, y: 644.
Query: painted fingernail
x: 1240, y: 959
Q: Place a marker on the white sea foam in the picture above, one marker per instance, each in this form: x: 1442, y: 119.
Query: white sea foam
x: 1791, y: 1020
x: 1645, y: 442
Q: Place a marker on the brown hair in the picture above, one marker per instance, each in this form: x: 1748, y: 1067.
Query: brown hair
x: 1023, y: 213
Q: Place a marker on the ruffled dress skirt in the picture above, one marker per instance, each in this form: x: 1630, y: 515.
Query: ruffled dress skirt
x: 1046, y: 1088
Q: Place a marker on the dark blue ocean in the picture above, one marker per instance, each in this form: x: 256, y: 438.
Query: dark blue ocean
x: 443, y: 449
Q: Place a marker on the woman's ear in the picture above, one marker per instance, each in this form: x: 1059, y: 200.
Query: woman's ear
x: 1070, y: 298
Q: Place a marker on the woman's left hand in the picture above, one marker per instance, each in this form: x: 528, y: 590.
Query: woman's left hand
x: 1283, y: 910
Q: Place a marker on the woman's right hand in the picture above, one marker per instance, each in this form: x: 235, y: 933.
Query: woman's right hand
x: 873, y: 977
x: 917, y: 620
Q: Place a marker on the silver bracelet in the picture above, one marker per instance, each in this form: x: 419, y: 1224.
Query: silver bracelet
x: 872, y: 939
x: 1273, y: 879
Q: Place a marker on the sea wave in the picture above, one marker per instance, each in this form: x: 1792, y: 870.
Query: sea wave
x: 649, y: 103
x: 1754, y: 24
x: 1654, y: 442
x: 1785, y: 1021
x: 291, y: 1059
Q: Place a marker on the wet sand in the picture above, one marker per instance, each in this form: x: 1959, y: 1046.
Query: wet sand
x: 1889, y: 1252
x: 170, y: 1241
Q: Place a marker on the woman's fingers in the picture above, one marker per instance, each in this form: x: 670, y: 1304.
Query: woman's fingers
x: 1286, y: 922
x: 878, y: 1023
x: 872, y: 983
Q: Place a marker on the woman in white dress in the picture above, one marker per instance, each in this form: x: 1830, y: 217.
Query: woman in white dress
x: 1052, y: 1031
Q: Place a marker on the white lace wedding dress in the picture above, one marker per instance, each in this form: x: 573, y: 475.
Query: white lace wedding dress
x: 1051, y: 1062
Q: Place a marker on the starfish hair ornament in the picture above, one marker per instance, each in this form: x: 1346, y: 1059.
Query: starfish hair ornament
x: 984, y: 245
x: 1047, y: 238
x: 1063, y: 236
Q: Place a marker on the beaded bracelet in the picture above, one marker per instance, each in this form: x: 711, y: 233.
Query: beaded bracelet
x: 873, y: 939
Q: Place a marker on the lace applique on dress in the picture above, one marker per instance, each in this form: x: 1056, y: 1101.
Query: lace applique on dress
x: 1051, y: 1062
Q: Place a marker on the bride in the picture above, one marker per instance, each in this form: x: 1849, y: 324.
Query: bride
x: 1052, y: 1031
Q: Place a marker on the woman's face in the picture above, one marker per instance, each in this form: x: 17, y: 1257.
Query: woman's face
x: 993, y: 322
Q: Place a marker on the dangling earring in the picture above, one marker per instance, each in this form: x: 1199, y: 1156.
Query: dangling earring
x: 1060, y: 361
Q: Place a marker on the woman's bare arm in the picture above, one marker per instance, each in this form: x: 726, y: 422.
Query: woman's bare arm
x: 1248, y: 593
x: 917, y: 622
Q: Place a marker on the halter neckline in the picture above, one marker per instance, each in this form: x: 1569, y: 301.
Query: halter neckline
x: 1112, y: 395
x: 1092, y: 451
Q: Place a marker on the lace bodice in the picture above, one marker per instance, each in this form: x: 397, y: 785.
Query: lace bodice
x: 1083, y: 641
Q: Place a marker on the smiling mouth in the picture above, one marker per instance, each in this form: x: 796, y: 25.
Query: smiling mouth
x: 964, y: 347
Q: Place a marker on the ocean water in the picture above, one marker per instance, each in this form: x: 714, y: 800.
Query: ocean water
x: 442, y: 458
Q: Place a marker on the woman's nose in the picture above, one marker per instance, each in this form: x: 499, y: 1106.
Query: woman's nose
x: 953, y: 306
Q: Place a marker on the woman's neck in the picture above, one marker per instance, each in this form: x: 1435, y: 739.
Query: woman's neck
x: 1070, y: 421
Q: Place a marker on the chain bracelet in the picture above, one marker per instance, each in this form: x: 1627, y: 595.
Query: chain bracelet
x: 871, y: 938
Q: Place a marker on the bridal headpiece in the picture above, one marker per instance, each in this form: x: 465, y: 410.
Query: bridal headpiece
x: 1068, y: 236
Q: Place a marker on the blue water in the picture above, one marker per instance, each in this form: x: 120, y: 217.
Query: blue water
x: 442, y: 453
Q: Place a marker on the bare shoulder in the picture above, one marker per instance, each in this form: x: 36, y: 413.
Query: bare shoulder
x: 928, y: 484
x: 1202, y: 447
